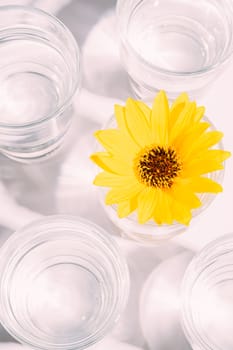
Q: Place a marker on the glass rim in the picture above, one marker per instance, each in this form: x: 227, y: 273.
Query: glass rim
x: 189, y: 279
x: 101, y: 239
x: 160, y: 70
x: 70, y: 36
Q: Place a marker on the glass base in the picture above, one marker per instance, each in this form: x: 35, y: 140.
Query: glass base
x: 149, y: 233
x: 42, y: 152
x: 65, y: 285
x: 37, y: 155
x: 68, y: 285
x: 207, y: 302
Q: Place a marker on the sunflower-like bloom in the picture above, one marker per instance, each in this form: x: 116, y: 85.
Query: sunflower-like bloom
x: 157, y: 160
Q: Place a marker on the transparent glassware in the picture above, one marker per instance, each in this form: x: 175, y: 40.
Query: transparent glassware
x: 174, y: 45
x: 39, y: 74
x: 63, y: 283
x: 207, y: 298
x: 150, y: 232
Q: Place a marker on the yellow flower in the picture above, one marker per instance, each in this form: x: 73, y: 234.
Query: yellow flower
x: 157, y: 160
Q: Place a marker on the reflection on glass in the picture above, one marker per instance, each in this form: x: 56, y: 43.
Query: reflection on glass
x: 174, y: 45
x: 208, y: 298
x: 39, y: 74
x: 63, y: 283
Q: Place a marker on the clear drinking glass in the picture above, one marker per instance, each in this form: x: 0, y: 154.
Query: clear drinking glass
x: 63, y: 283
x: 39, y: 74
x: 150, y: 232
x: 207, y: 310
x: 174, y: 45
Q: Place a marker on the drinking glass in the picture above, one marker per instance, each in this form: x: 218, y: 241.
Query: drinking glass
x: 174, y: 45
x: 39, y: 74
x: 150, y: 232
x: 207, y: 310
x: 63, y: 283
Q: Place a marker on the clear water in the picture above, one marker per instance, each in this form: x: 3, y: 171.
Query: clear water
x: 33, y: 80
x: 180, y: 36
x: 63, y: 300
x: 26, y: 96
x: 172, y: 47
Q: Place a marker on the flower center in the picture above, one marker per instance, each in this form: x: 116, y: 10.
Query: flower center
x: 157, y: 166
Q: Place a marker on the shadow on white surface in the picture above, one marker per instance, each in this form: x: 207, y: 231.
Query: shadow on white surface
x: 63, y: 184
x: 13, y: 346
x: 160, y: 304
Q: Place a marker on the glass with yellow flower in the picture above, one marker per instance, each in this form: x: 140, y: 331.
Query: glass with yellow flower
x: 161, y: 166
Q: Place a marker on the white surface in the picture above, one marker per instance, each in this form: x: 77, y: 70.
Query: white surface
x: 12, y: 346
x: 63, y: 184
x: 111, y: 343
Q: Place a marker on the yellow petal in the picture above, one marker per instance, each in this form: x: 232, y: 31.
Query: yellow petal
x: 185, y: 142
x: 174, y: 114
x: 184, y: 195
x: 206, y: 141
x: 138, y: 124
x: 119, y: 112
x: 216, y: 154
x: 200, y: 166
x: 147, y: 200
x: 159, y: 119
x: 163, y: 213
x: 177, y: 107
x: 122, y: 123
x: 181, y: 213
x: 127, y: 207
x: 204, y: 184
x: 145, y: 109
x: 106, y: 179
x: 116, y: 143
x: 207, y: 159
x: 200, y: 111
x: 184, y: 120
x: 181, y: 99
x: 117, y: 195
x: 157, y: 212
x: 112, y: 164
